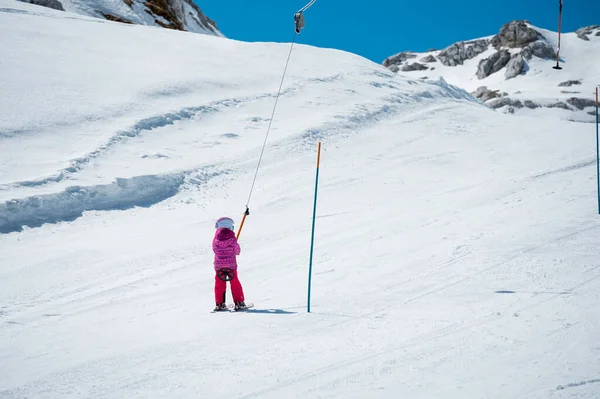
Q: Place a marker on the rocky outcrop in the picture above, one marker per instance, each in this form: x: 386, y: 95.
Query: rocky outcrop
x: 584, y: 32
x: 559, y: 104
x: 397, y: 59
x: 173, y: 14
x: 415, y: 66
x: 170, y: 10
x: 505, y: 101
x: 515, y: 34
x: 458, y: 53
x: 493, y: 64
x: 581, y: 103
x: 569, y: 83
x: 201, y: 17
x: 517, y: 49
x: 176, y: 14
x: 530, y: 104
x: 540, y: 49
x: 515, y: 66
x: 114, y: 18
x: 485, y: 94
x: 55, y: 4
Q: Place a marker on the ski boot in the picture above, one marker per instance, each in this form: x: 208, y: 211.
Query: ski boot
x: 221, y: 307
x: 240, y: 306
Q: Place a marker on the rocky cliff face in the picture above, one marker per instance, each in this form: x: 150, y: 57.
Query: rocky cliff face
x: 182, y: 15
x: 512, y: 70
x: 514, y: 35
x: 55, y: 4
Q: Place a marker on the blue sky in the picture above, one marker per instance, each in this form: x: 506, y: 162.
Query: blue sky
x: 377, y: 29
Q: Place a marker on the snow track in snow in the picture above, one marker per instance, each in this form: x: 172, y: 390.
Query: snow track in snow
x: 122, y: 194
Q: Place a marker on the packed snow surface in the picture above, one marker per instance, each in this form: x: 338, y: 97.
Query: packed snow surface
x: 456, y: 249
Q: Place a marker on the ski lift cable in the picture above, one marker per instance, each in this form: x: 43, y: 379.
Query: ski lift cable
x: 299, y: 25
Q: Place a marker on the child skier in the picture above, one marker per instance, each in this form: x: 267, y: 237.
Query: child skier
x: 226, y: 248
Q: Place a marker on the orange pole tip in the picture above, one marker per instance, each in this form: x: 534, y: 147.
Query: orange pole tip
x: 241, y: 225
x: 319, y: 155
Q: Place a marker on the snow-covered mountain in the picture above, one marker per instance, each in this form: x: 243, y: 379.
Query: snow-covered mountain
x: 174, y: 14
x: 455, y: 254
x: 512, y: 70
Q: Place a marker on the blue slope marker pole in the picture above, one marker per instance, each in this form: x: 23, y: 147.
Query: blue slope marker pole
x: 312, y: 239
x: 597, y: 153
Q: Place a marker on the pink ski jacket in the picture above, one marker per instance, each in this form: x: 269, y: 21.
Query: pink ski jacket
x: 226, y: 248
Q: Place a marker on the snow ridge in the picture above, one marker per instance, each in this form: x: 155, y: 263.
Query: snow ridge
x: 122, y: 194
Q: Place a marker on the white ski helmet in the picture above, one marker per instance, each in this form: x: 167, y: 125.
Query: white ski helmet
x: 224, y: 223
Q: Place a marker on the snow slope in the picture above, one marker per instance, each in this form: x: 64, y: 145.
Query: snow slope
x: 536, y: 90
x: 456, y: 248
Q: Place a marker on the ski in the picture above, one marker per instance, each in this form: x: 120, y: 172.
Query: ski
x: 231, y: 307
x: 222, y: 311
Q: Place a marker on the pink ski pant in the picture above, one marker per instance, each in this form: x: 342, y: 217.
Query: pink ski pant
x: 221, y: 289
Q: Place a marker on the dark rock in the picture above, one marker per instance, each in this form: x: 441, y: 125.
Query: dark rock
x: 515, y: 34
x: 559, y: 104
x: 174, y: 12
x: 485, y: 94
x: 542, y: 50
x: 415, y: 66
x: 527, y: 53
x: 429, y: 58
x: 583, y: 33
x: 581, y: 103
x: 505, y: 101
x: 398, y: 59
x: 458, y: 53
x: 55, y: 4
x: 569, y: 83
x: 493, y: 64
x: 114, y: 18
x: 167, y: 9
x: 515, y: 66
x: 530, y: 104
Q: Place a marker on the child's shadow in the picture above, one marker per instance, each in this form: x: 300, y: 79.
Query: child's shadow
x: 268, y: 311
